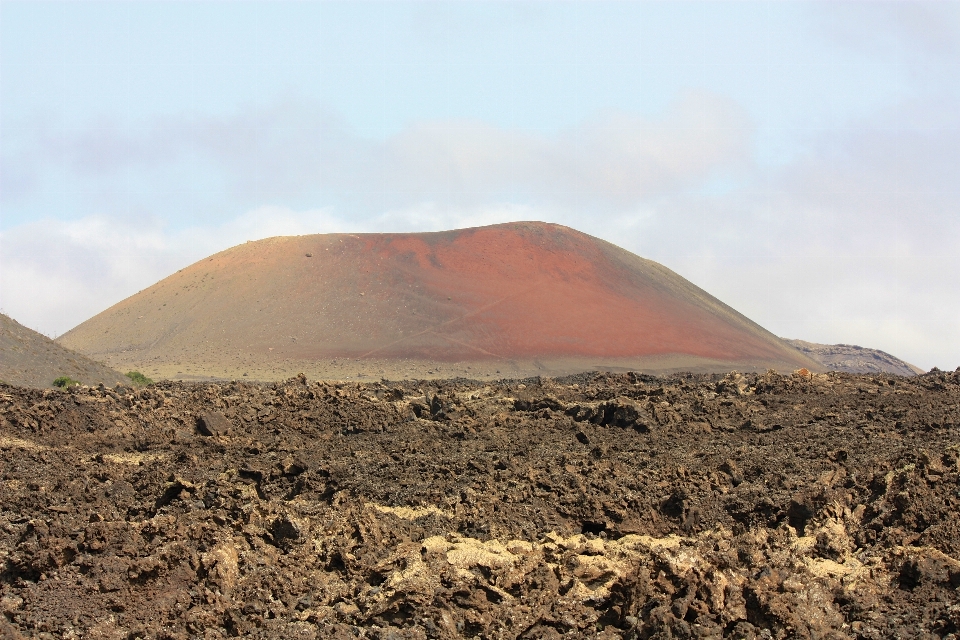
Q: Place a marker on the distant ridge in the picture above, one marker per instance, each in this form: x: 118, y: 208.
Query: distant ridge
x: 511, y: 299
x: 31, y: 359
x: 853, y: 359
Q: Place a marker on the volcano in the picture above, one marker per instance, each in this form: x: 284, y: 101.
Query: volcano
x: 510, y: 299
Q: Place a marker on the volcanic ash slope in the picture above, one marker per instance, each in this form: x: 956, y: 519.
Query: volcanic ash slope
x: 504, y: 300
x: 31, y: 359
x: 851, y: 358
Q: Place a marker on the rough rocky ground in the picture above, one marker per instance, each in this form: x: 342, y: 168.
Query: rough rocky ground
x: 31, y: 359
x: 854, y: 359
x: 601, y: 505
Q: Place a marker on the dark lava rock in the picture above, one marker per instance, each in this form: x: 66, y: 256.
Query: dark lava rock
x: 595, y: 506
x: 213, y: 423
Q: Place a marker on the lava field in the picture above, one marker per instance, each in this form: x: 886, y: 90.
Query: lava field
x: 594, y: 506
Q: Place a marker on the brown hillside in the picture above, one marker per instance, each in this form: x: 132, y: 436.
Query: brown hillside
x: 31, y: 359
x: 853, y: 359
x: 511, y: 299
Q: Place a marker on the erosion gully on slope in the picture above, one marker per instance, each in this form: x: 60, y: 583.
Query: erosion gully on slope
x: 599, y: 505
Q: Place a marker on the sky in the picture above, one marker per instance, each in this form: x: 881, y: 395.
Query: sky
x: 799, y: 161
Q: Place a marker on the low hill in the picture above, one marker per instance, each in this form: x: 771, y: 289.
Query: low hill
x: 503, y: 300
x: 853, y: 359
x: 31, y: 359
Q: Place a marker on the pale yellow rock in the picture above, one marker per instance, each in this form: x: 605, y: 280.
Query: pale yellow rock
x: 415, y: 572
x: 410, y: 513
x: 19, y: 443
x: 222, y: 565
x: 520, y: 547
x: 436, y: 544
x: 468, y: 552
x: 804, y: 544
x: 132, y: 458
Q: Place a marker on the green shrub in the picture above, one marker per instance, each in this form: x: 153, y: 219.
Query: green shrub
x: 65, y: 381
x: 139, y: 379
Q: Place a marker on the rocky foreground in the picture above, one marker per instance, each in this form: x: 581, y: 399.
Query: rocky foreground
x: 759, y: 506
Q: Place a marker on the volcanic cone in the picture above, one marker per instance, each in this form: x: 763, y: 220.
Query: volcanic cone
x: 510, y: 299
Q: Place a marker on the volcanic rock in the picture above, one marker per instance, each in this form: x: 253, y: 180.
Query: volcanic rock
x: 213, y: 423
x: 507, y: 518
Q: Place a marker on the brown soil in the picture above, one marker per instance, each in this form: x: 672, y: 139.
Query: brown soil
x: 523, y: 298
x: 601, y: 505
x: 31, y: 359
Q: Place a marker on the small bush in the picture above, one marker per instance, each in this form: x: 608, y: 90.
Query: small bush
x: 139, y: 379
x: 65, y: 381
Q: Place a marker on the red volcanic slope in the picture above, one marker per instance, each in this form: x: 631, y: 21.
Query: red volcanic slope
x: 510, y: 291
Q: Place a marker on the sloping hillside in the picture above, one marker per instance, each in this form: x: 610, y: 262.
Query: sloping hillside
x: 31, y: 359
x: 853, y: 359
x: 511, y: 299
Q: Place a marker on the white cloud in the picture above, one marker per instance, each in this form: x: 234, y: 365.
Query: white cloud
x: 854, y: 243
x: 297, y: 153
x: 871, y: 301
x: 612, y: 161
